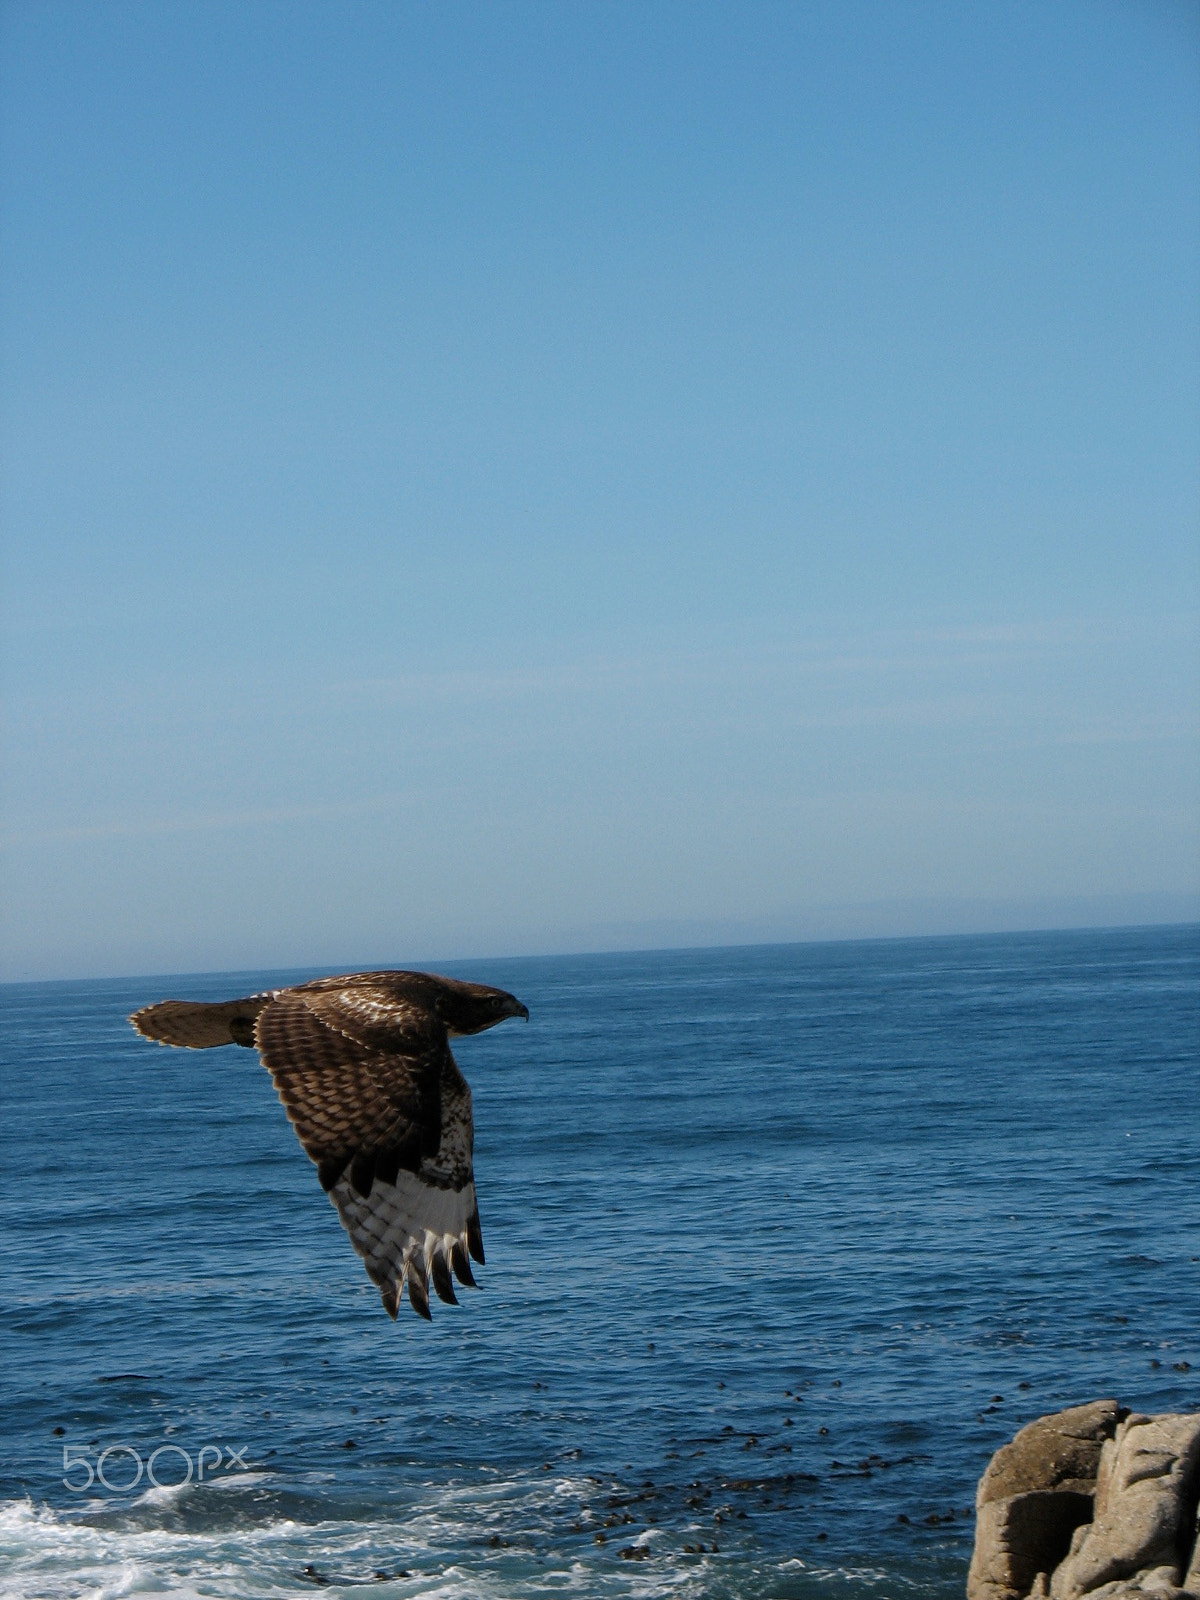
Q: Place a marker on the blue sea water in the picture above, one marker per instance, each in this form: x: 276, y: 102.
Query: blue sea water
x: 782, y: 1243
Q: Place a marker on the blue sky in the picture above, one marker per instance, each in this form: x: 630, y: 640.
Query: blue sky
x: 483, y: 478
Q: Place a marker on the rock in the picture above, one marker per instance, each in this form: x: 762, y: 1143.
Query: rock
x: 1148, y: 1585
x: 1092, y: 1502
x: 1035, y: 1493
x: 1020, y: 1538
x: 1144, y: 1522
x: 1060, y: 1451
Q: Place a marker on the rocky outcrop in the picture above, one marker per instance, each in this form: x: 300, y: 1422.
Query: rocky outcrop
x: 1035, y: 1493
x: 1092, y: 1502
x: 1143, y: 1527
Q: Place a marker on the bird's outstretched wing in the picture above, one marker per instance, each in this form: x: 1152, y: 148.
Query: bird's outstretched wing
x: 375, y: 1096
x: 199, y: 1024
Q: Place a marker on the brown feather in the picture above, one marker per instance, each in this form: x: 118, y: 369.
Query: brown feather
x: 462, y: 1266
x: 362, y: 1172
x: 418, y: 1292
x: 387, y: 1164
x: 442, y: 1281
x: 475, y: 1238
x: 330, y: 1170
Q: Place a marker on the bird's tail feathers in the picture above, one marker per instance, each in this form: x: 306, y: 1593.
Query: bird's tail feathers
x: 197, y: 1026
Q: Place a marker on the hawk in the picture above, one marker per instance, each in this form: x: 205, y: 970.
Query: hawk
x: 363, y: 1066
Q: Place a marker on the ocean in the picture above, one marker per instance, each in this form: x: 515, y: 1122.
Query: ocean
x: 782, y: 1243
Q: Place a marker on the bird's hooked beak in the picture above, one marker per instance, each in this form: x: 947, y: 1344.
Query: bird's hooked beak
x: 516, y: 1009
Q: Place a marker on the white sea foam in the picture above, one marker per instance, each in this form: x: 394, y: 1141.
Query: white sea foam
x: 48, y: 1555
x: 165, y: 1494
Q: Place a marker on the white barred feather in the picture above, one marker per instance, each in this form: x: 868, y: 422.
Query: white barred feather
x: 408, y: 1232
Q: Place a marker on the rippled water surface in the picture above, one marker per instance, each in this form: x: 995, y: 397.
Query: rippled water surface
x: 782, y: 1243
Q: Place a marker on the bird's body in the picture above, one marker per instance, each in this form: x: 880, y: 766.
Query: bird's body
x: 363, y: 1066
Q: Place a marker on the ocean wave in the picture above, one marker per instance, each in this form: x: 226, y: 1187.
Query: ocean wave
x: 51, y: 1555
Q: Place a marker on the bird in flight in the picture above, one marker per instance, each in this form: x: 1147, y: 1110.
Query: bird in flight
x: 363, y: 1066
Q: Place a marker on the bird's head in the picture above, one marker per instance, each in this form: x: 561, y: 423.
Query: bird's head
x: 472, y: 1007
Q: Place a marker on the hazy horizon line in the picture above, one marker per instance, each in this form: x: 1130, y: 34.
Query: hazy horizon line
x: 620, y: 949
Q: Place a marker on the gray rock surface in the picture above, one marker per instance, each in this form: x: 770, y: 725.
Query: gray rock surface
x: 1153, y: 1584
x: 1145, y: 1513
x: 1091, y: 1504
x: 1035, y: 1493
